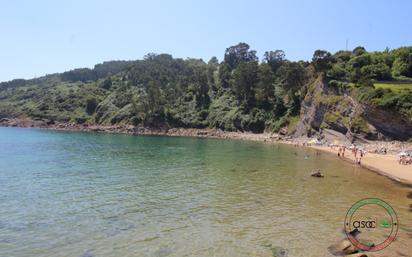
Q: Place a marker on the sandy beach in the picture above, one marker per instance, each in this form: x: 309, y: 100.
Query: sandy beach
x: 384, y: 164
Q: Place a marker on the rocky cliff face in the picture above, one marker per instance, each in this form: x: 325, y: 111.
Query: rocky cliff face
x: 324, y: 108
x: 390, y: 125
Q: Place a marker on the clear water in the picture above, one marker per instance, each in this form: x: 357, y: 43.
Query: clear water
x: 84, y: 194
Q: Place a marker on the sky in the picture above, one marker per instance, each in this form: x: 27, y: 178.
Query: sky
x: 42, y: 37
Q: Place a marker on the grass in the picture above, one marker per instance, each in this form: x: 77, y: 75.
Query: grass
x: 293, y: 121
x: 335, y: 117
x: 331, y: 100
x: 359, y: 125
x: 397, y: 88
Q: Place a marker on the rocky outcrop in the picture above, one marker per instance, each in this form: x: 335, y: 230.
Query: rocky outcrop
x: 312, y: 111
x: 326, y: 108
x: 390, y: 125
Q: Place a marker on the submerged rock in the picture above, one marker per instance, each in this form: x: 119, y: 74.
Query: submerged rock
x: 279, y: 251
x: 344, y: 247
x: 88, y: 253
x: 163, y: 252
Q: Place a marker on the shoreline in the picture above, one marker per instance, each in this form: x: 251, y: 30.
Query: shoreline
x: 385, y: 165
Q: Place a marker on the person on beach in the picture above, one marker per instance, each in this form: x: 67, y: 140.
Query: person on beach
x: 339, y: 151
x: 343, y: 151
x: 402, y: 160
x: 361, y: 154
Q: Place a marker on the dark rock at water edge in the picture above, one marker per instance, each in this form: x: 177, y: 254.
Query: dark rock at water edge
x: 317, y: 174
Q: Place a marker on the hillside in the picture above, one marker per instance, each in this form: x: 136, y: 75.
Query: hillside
x: 363, y: 95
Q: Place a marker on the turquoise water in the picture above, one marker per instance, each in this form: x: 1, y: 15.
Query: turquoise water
x: 84, y: 194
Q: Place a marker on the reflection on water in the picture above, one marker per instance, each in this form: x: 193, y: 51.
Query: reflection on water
x: 78, y: 194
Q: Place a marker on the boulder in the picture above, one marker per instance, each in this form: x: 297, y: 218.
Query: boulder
x: 343, y: 247
x: 317, y: 174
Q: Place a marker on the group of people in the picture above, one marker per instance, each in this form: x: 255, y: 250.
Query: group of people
x: 405, y: 159
x: 358, y: 153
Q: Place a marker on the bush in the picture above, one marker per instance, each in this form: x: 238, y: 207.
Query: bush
x: 91, y: 105
x: 378, y: 71
x: 359, y: 125
x: 106, y: 84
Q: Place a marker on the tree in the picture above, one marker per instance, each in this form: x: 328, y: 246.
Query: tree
x: 234, y: 55
x: 83, y: 75
x: 224, y: 75
x: 379, y: 71
x: 321, y: 60
x: 212, y: 67
x: 107, y: 84
x: 91, y: 104
x: 244, y: 81
x: 291, y: 75
x: 337, y: 71
x: 275, y: 59
x: 359, y: 51
x: 402, y: 66
x: 154, y: 98
x: 342, y: 56
x: 265, y: 87
x: 360, y: 61
x: 201, y: 88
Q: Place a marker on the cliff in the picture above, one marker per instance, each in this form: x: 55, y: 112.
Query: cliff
x: 325, y: 109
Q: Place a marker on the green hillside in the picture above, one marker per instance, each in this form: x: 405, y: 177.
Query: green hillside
x: 238, y: 93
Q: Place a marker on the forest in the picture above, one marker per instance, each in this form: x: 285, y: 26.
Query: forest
x: 242, y: 92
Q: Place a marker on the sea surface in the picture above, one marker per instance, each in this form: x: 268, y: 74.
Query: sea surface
x: 89, y: 194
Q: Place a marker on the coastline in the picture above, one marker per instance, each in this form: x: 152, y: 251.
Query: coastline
x: 386, y: 165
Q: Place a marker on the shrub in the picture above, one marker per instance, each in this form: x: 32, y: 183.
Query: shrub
x: 91, y: 104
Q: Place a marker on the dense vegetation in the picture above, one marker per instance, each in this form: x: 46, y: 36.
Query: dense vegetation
x: 364, y: 71
x: 238, y: 93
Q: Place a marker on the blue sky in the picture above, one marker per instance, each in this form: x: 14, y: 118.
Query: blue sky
x: 41, y: 37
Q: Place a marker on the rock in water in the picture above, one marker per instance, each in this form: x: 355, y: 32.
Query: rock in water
x: 317, y: 174
x: 88, y: 253
x: 354, y: 233
x: 343, y: 247
x: 279, y: 251
x: 163, y: 252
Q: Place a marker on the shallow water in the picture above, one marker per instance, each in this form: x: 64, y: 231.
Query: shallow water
x: 84, y: 194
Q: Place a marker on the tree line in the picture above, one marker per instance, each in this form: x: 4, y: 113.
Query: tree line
x: 240, y: 92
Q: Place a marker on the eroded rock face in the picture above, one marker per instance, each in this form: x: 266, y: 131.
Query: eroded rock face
x: 325, y: 108
x: 312, y: 111
x: 390, y: 125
